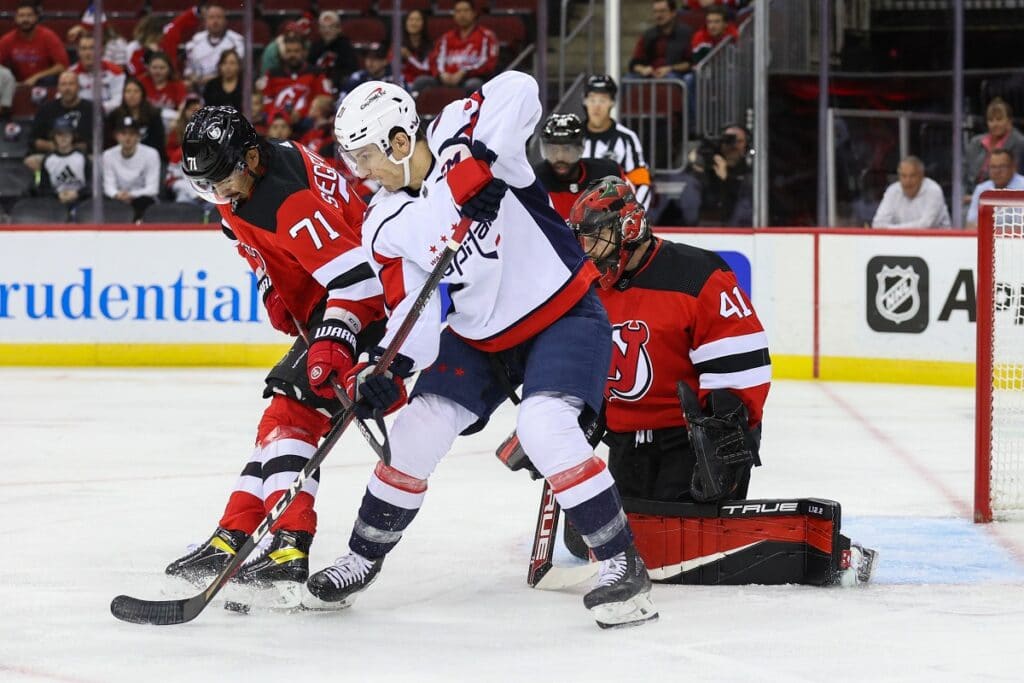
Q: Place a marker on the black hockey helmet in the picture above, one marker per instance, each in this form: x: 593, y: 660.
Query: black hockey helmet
x: 601, y: 83
x: 215, y: 142
x: 562, y: 129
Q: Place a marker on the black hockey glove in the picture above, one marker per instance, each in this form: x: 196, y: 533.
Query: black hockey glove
x: 472, y: 185
x: 377, y: 395
x: 483, y: 206
x: 721, y: 442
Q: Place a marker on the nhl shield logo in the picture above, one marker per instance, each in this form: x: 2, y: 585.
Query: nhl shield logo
x: 897, y: 294
x: 898, y: 298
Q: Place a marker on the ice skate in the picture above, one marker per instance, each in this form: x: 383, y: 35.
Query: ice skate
x: 622, y: 594
x: 204, y: 562
x: 861, y: 567
x: 274, y: 577
x: 336, y: 586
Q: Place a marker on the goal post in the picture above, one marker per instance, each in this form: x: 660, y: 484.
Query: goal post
x: 999, y: 398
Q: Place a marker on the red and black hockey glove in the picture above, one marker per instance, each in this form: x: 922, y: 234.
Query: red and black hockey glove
x: 280, y: 317
x: 473, y: 186
x: 377, y: 395
x: 332, y: 352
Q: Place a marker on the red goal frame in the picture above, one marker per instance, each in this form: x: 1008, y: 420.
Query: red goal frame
x: 983, y: 368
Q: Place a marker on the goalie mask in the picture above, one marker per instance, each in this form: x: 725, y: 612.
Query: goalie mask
x: 610, y: 224
x: 213, y: 151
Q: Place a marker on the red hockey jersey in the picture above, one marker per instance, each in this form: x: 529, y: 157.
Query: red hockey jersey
x: 476, y: 54
x: 294, y: 91
x: 681, y: 316
x: 302, y: 227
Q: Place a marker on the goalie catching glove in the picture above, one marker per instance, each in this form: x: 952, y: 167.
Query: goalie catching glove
x: 473, y: 186
x: 722, y: 443
x: 378, y: 395
x: 332, y: 352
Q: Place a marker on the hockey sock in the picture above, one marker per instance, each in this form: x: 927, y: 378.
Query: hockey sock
x: 287, y: 436
x: 591, y: 502
x: 389, y: 505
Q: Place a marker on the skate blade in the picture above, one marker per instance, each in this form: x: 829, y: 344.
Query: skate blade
x: 314, y: 604
x: 632, y: 612
x: 279, y: 596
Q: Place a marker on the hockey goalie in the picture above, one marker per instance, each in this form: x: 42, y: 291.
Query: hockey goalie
x: 688, y: 380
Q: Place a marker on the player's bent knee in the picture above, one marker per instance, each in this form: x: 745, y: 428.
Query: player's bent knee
x: 549, y: 431
x: 286, y: 418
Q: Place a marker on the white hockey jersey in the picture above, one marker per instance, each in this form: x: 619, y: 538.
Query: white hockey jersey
x: 512, y: 277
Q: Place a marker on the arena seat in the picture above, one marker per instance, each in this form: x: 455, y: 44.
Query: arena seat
x: 39, y: 210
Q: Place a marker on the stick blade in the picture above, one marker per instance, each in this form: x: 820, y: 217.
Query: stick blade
x: 157, y: 612
x: 560, y: 578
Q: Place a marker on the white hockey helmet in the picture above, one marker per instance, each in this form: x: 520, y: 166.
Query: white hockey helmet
x: 368, y: 115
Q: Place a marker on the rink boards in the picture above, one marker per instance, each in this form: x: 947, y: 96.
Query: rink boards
x: 837, y: 304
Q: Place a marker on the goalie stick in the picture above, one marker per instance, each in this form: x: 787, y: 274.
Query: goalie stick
x: 165, y: 612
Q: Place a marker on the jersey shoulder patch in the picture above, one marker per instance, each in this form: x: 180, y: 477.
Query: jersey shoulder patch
x: 286, y: 175
x: 680, y: 268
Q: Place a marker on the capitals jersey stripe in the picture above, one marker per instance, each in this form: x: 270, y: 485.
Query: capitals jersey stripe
x: 729, y: 346
x: 390, y: 275
x: 735, y: 363
x: 541, y: 318
x: 744, y: 379
x: 536, y: 201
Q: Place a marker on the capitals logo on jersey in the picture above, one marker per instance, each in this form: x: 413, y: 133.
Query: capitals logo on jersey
x: 631, y: 373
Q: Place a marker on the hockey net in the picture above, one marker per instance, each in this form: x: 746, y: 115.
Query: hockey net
x: 999, y: 417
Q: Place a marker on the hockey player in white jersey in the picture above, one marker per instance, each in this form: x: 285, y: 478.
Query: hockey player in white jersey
x: 523, y: 313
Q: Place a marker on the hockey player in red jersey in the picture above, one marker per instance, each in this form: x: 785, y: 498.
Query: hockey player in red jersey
x: 295, y: 221
x: 521, y: 292
x: 686, y: 339
x: 562, y: 172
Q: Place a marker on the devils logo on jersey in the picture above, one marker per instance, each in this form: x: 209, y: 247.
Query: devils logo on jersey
x: 631, y: 372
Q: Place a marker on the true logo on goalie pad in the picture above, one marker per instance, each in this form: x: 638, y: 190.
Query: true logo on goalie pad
x: 897, y: 294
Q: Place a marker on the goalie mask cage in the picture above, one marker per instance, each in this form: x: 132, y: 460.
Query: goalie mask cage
x: 999, y: 405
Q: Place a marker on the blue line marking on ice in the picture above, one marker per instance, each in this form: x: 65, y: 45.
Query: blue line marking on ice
x: 922, y: 550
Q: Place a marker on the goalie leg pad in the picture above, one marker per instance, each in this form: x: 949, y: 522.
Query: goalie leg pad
x: 740, y: 542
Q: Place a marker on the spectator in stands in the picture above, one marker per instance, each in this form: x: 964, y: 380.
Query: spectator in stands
x: 332, y: 53
x: 147, y: 118
x: 32, y: 52
x: 68, y: 105
x: 111, y: 74
x: 467, y: 55
x: 1002, y: 175
x: 913, y: 202
x: 7, y: 85
x: 606, y: 138
x: 163, y: 89
x: 270, y: 58
x: 226, y: 89
x: 65, y: 173
x: 663, y: 50
x: 716, y: 29
x: 115, y: 47
x: 320, y: 136
x: 718, y: 183
x: 416, y: 49
x: 203, y: 51
x: 145, y: 43
x: 292, y: 86
x: 376, y: 67
x: 279, y: 124
x: 131, y: 171
x: 1001, y: 135
x: 175, y: 181
x: 179, y: 31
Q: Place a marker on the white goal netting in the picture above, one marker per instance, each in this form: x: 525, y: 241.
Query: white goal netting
x: 1006, y: 449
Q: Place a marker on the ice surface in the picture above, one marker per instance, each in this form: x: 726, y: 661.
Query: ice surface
x: 109, y: 474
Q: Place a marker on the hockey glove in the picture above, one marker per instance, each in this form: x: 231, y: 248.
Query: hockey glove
x: 377, y: 395
x: 277, y: 313
x: 332, y: 352
x: 722, y: 444
x: 472, y: 185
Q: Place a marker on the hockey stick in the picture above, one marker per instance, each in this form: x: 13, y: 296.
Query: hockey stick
x: 165, y: 612
x: 543, y: 574
x: 383, y: 450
